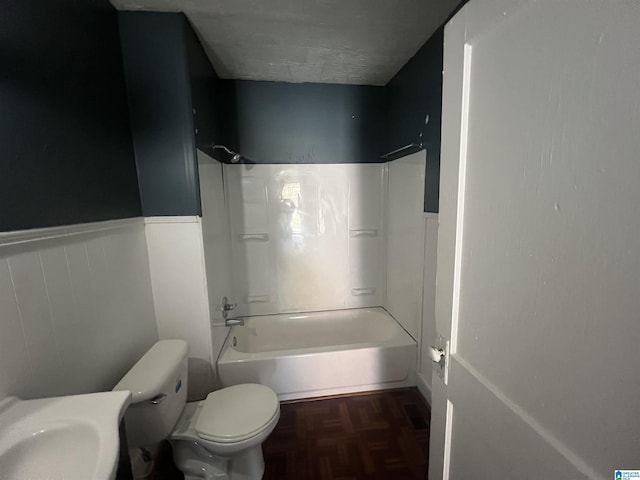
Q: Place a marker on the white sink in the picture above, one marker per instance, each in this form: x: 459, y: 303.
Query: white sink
x: 74, y: 437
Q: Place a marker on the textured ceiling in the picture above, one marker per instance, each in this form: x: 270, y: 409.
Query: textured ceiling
x: 361, y: 42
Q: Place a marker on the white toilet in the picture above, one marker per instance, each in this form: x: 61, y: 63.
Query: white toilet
x: 218, y: 438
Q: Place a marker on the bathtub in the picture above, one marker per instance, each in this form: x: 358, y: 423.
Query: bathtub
x: 320, y: 353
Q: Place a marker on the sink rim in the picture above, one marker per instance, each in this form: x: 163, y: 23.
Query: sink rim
x: 21, y: 432
x: 101, y: 413
x: 46, y: 444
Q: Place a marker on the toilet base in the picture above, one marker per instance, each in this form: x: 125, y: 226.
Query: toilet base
x: 248, y: 465
x: 197, y: 463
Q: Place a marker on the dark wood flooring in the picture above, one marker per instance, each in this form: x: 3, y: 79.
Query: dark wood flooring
x: 372, y: 436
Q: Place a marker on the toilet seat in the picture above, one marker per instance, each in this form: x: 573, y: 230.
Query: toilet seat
x: 236, y: 413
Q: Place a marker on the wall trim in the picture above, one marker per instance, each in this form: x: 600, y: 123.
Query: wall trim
x: 38, y: 234
x: 431, y: 215
x: 423, y: 387
x: 172, y: 219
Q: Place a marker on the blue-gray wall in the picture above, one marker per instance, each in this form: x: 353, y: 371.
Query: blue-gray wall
x: 415, y: 92
x: 67, y: 153
x: 178, y: 104
x: 65, y: 144
x: 154, y: 48
x: 275, y: 122
x: 279, y: 122
x: 209, y: 95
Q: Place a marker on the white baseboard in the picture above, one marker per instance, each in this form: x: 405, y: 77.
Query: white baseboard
x: 423, y: 387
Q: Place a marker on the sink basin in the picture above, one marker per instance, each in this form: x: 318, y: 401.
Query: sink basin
x: 74, y: 437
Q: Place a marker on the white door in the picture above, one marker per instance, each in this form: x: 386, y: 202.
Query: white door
x: 538, y: 283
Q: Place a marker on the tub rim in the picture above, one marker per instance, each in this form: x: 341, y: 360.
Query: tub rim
x: 230, y: 354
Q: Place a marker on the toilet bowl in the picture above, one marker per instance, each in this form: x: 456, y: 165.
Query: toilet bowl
x: 218, y: 438
x: 223, y: 434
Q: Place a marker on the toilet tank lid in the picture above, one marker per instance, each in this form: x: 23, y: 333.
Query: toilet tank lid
x: 147, y: 377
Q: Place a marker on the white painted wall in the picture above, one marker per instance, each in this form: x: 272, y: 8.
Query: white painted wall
x: 306, y: 237
x: 405, y: 241
x: 76, y: 309
x: 179, y: 284
x: 217, y: 247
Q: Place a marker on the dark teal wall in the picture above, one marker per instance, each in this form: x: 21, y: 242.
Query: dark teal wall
x: 154, y: 48
x: 415, y: 92
x: 276, y: 122
x: 65, y: 132
x: 208, y: 95
x: 66, y: 154
x: 176, y: 103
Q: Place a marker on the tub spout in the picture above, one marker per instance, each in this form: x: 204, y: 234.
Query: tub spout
x: 230, y: 322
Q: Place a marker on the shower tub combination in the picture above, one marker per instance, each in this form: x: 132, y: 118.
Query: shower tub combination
x: 321, y: 353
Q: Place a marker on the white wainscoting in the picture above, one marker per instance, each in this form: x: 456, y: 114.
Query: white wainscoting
x: 307, y: 237
x: 179, y: 283
x: 405, y: 241
x: 76, y: 310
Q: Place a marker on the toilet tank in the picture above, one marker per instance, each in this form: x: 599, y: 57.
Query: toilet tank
x: 158, y: 386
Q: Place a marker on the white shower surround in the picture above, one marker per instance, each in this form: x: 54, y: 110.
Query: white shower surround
x: 405, y: 241
x: 320, y: 353
x: 307, y: 237
x: 313, y: 238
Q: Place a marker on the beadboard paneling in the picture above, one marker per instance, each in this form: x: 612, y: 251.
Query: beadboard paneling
x: 75, y: 307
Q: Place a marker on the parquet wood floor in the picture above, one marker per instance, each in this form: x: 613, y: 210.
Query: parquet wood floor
x: 373, y: 436
x: 359, y: 437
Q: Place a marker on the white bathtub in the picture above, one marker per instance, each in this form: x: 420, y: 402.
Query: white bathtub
x: 320, y: 353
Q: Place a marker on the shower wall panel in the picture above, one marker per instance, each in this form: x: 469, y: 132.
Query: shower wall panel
x: 307, y: 237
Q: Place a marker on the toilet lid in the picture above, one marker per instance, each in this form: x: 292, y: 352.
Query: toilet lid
x: 236, y: 413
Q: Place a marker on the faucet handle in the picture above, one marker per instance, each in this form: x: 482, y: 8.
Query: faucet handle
x: 226, y: 306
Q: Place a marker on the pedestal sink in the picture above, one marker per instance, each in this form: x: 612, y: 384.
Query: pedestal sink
x: 73, y: 437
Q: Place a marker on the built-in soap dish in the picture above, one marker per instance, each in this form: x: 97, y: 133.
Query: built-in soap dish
x: 358, y: 292
x: 363, y: 232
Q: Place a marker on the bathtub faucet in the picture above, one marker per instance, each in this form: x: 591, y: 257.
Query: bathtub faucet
x: 225, y: 307
x: 230, y: 322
